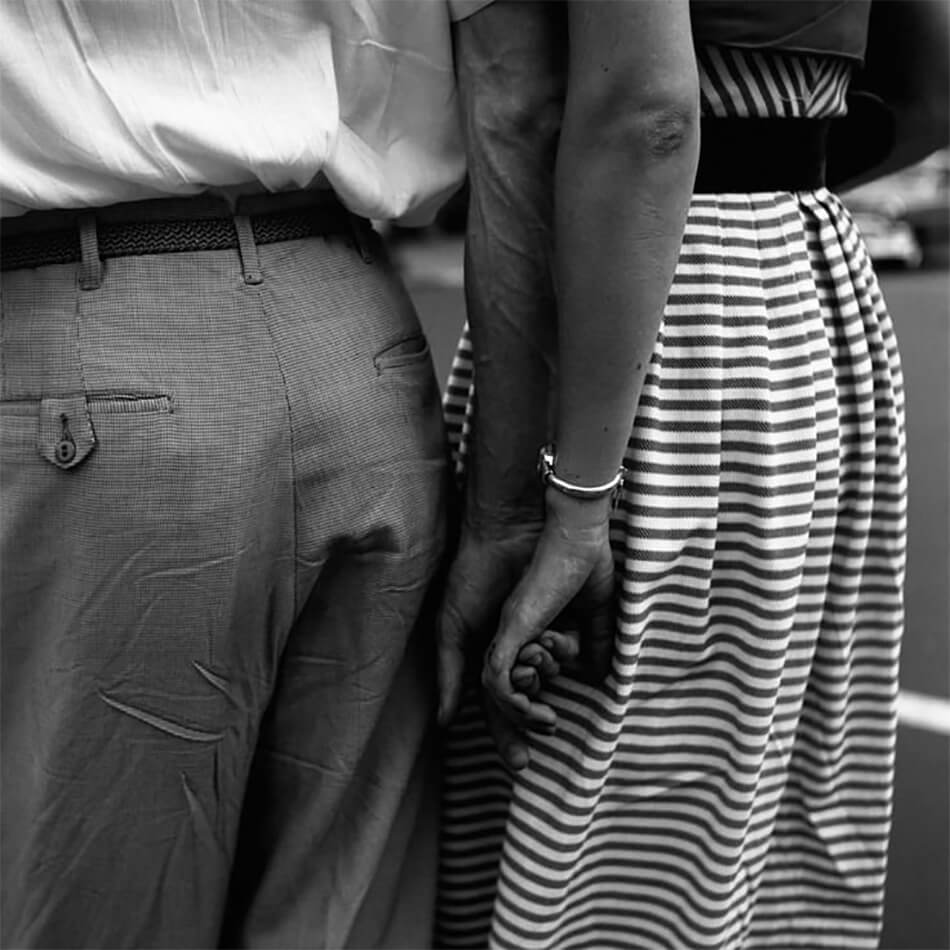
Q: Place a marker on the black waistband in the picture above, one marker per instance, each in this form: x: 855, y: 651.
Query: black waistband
x: 170, y: 225
x: 748, y: 155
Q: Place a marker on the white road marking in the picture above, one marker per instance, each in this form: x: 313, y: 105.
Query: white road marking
x: 924, y: 712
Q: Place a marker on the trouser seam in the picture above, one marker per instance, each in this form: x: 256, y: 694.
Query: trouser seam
x: 265, y: 316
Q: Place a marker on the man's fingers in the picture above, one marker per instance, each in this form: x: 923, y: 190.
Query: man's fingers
x: 526, y: 713
x: 510, y: 743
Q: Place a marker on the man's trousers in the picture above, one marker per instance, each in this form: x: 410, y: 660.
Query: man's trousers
x: 223, y: 500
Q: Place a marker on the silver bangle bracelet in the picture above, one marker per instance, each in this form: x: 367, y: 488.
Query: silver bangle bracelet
x: 546, y: 462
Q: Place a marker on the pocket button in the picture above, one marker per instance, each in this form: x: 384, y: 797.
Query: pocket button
x: 65, y: 451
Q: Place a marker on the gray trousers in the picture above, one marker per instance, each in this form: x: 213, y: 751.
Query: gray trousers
x: 223, y: 505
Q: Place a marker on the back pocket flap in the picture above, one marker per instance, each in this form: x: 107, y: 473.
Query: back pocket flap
x: 65, y: 435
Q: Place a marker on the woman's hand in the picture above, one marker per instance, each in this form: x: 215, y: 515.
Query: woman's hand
x: 568, y: 585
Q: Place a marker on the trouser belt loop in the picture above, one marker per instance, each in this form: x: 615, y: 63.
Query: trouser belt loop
x: 250, y: 260
x: 90, y: 265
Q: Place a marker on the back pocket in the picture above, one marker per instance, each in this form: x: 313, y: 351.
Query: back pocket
x: 406, y: 353
x: 65, y: 434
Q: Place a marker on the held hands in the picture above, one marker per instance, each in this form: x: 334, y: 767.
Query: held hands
x: 491, y: 557
x: 519, y: 581
x: 568, y: 585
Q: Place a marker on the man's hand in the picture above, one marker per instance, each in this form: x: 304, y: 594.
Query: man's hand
x: 568, y: 584
x: 487, y: 566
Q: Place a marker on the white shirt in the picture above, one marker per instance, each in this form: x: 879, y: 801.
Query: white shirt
x: 104, y: 101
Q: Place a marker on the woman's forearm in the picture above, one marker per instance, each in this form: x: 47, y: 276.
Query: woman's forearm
x: 625, y: 167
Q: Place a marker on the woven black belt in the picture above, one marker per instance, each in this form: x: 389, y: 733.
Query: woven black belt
x: 747, y: 155
x: 170, y: 226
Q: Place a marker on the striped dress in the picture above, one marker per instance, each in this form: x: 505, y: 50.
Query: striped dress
x: 730, y: 784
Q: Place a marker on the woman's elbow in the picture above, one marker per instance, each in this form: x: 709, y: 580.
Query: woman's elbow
x: 657, y: 131
x: 666, y: 130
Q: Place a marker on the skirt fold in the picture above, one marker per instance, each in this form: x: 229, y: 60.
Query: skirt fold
x: 730, y: 783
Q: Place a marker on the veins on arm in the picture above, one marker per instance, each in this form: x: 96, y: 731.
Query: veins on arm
x: 511, y: 64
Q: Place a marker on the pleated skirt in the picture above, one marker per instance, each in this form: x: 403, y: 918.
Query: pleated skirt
x: 730, y: 784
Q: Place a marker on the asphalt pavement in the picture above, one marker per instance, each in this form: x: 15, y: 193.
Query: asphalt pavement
x: 917, y: 915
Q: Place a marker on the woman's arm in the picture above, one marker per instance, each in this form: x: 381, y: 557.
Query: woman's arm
x: 625, y: 167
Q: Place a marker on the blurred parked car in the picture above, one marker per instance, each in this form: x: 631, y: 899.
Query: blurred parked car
x: 905, y: 217
x: 889, y: 239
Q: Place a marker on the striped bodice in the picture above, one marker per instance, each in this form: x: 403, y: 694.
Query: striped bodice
x: 746, y: 84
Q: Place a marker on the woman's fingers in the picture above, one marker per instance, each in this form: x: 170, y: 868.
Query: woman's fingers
x: 526, y: 679
x: 540, y: 657
x: 563, y: 646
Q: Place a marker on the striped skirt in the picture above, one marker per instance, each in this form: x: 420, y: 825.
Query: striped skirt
x: 730, y: 784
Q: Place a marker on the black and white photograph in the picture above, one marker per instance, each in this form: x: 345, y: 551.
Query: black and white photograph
x: 475, y: 474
